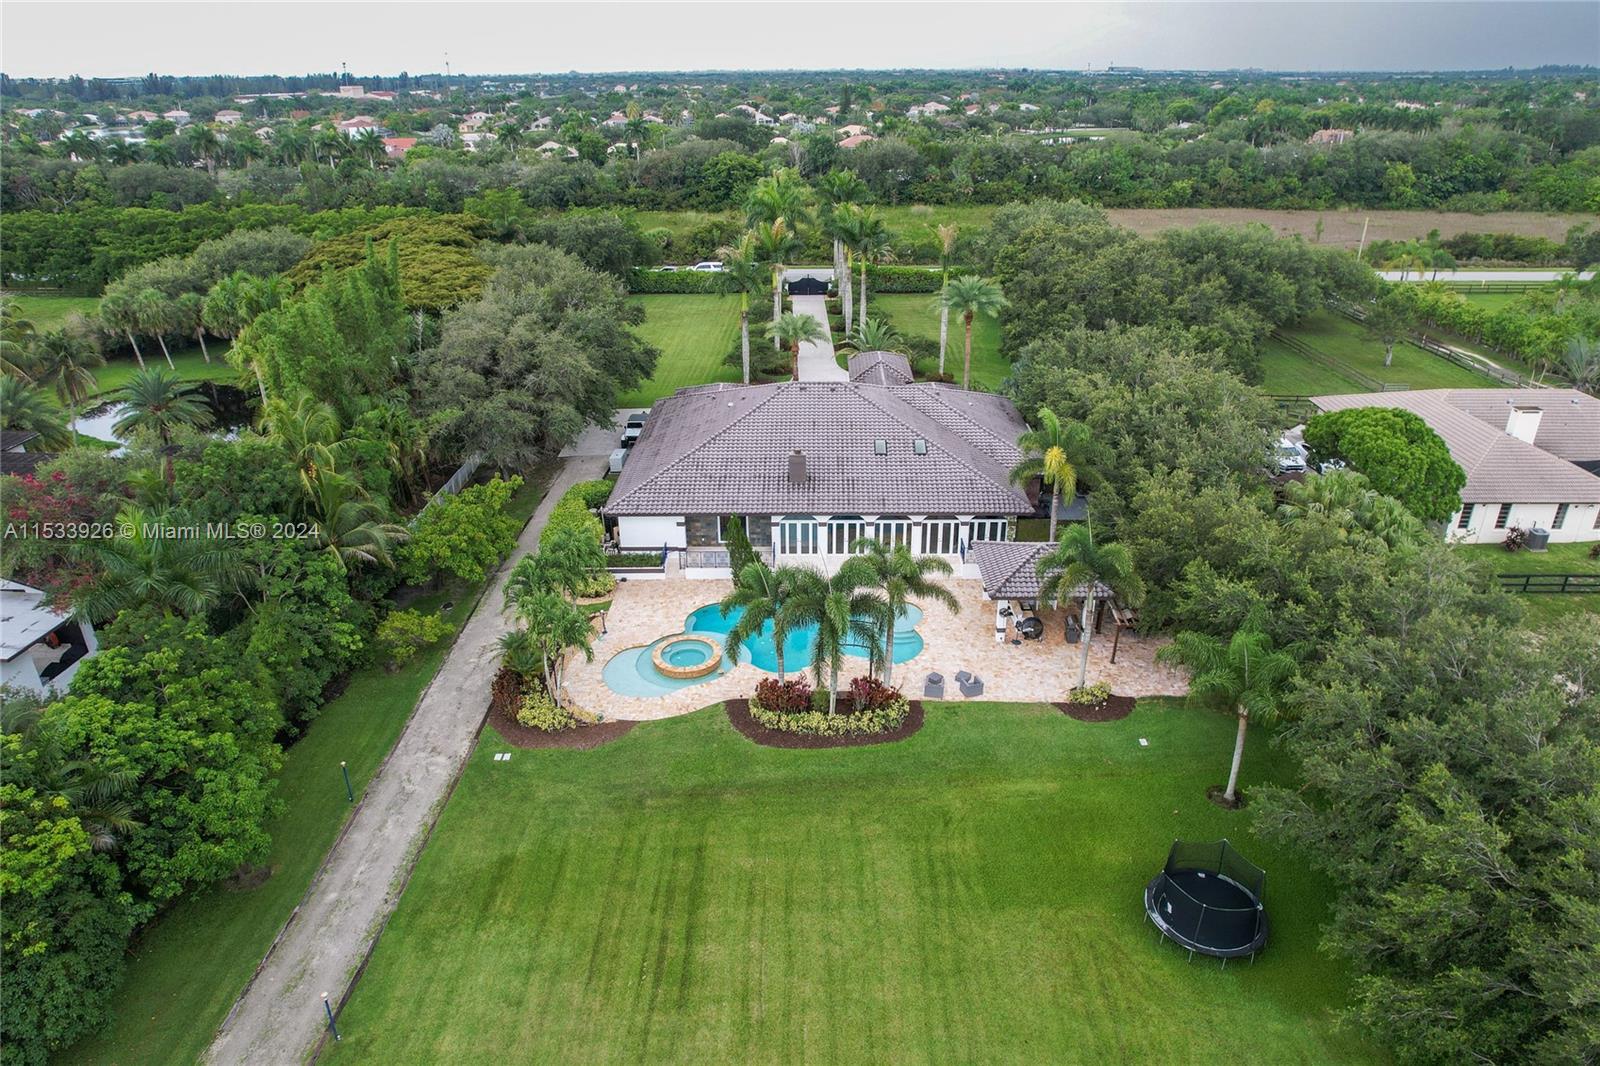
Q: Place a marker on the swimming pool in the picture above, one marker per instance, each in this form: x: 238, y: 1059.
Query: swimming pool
x: 633, y: 672
x: 762, y: 653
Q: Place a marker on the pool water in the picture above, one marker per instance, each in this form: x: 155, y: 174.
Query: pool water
x: 762, y: 653
x: 632, y: 673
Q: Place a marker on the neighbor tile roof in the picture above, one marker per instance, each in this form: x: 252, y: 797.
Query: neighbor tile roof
x: 1009, y: 570
x: 726, y: 449
x: 880, y: 368
x: 1501, y: 468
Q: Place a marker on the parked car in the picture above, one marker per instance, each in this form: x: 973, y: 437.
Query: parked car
x: 709, y: 266
x: 630, y: 436
x: 1291, y: 457
x: 636, y: 420
x: 667, y: 269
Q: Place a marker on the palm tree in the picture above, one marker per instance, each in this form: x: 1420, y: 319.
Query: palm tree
x: 202, y: 141
x: 762, y: 594
x: 330, y: 143
x: 970, y: 296
x: 153, y: 311
x: 67, y: 361
x: 1406, y: 259
x: 1057, y: 454
x: 17, y: 334
x: 351, y: 528
x: 189, y: 313
x: 868, y: 238
x: 79, y: 145
x: 1337, y: 497
x: 307, y: 427
x: 790, y: 331
x: 844, y: 612
x: 291, y: 145
x: 510, y: 136
x: 873, y: 335
x: 121, y: 153
x: 186, y: 575
x: 947, y: 251
x: 163, y: 151
x: 775, y: 245
x: 744, y: 272
x: 93, y: 794
x: 836, y: 189
x: 779, y: 195
x: 902, y: 577
x: 1582, y: 364
x: 118, y: 312
x: 24, y: 408
x: 1077, y: 567
x: 368, y: 145
x: 1247, y: 674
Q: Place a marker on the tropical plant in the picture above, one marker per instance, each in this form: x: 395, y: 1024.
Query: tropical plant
x: 762, y: 595
x: 17, y: 334
x: 947, y: 250
x: 152, y: 310
x: 308, y: 429
x: 1058, y: 453
x: 970, y: 296
x: 844, y: 611
x: 348, y: 525
x: 775, y: 245
x: 95, y: 795
x: 901, y: 577
x: 835, y: 189
x: 25, y: 408
x: 1077, y: 567
x: 873, y: 335
x: 148, y: 563
x: 1248, y: 675
x: 790, y: 331
x: 120, y: 314
x: 867, y: 237
x: 158, y: 400
x: 66, y: 361
x: 554, y: 626
x: 744, y: 271
x: 189, y: 312
x: 1581, y: 361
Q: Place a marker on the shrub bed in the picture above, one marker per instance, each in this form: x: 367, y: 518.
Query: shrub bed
x: 902, y: 279
x: 633, y: 560
x: 792, y: 707
x: 673, y: 282
x: 575, y: 509
x: 539, y: 711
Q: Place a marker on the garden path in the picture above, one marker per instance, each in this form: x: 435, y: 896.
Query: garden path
x: 817, y: 360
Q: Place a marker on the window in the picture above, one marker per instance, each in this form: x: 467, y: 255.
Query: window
x: 894, y: 530
x: 919, y: 447
x: 880, y: 447
x: 988, y: 528
x: 797, y: 535
x: 940, y: 535
x: 1561, y: 516
x: 1503, y: 517
x: 722, y: 527
x: 1466, y: 516
x: 843, y: 531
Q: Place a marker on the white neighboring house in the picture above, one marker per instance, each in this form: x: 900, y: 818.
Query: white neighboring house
x: 40, y: 648
x: 556, y: 148
x: 229, y: 117
x: 1532, y: 456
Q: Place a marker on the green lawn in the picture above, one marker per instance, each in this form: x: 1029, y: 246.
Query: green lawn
x: 1288, y: 373
x: 695, y: 334
x: 971, y: 894
x: 914, y: 317
x: 189, y: 363
x: 1545, y: 607
x: 186, y: 970
x: 1340, y: 339
x: 50, y: 312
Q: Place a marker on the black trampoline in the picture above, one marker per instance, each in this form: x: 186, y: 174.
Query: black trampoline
x: 1209, y: 898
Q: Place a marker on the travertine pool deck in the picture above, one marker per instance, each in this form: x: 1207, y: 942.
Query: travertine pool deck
x: 1042, y: 670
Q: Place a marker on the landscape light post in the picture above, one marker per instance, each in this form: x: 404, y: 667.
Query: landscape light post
x: 327, y: 1008
x: 349, y: 793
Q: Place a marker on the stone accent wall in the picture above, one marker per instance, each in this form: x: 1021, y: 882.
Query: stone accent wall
x: 758, y: 527
x: 701, y: 530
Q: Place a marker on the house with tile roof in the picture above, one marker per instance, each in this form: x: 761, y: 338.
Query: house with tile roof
x: 811, y: 467
x: 1531, y: 456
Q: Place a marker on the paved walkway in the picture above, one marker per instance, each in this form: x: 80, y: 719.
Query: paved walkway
x: 817, y: 361
x: 279, y: 1016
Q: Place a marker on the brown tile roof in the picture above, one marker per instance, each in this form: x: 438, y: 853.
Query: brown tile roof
x: 727, y: 449
x: 880, y: 368
x: 1501, y: 468
x: 1010, y: 570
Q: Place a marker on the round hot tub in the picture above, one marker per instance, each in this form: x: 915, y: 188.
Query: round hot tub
x: 686, y: 656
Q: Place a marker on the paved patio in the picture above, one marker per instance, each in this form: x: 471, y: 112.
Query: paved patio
x: 1043, y: 670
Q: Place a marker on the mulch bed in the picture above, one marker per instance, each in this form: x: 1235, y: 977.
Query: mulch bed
x: 583, y: 738
x: 1108, y: 710
x: 739, y: 718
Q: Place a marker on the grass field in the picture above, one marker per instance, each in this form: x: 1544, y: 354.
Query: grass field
x: 1288, y: 374
x: 50, y: 312
x: 1545, y: 607
x: 695, y: 334
x: 186, y: 970
x: 914, y: 316
x: 971, y: 894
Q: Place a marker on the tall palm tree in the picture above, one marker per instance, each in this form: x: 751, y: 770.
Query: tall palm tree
x: 291, y: 145
x: 970, y: 296
x: 120, y: 314
x: 24, y: 408
x: 153, y: 311
x: 1406, y: 259
x: 902, y: 577
x: 67, y: 361
x: 835, y: 189
x: 307, y: 427
x: 159, y: 400
x: 202, y: 141
x: 189, y: 313
x: 17, y: 334
x: 1058, y: 453
x: 743, y: 272
x: 762, y: 594
x: 186, y: 575
x: 1077, y: 566
x: 947, y: 251
x: 775, y: 245
x: 867, y: 236
x: 779, y: 195
x: 790, y: 331
x: 351, y: 527
x: 1247, y: 674
x: 163, y: 151
x: 120, y: 153
x: 844, y: 611
x: 329, y: 143
x: 368, y: 145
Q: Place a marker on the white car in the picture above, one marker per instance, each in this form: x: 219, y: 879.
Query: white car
x: 709, y: 266
x: 1291, y: 457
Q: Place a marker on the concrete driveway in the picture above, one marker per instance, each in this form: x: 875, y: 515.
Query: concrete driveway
x: 817, y: 359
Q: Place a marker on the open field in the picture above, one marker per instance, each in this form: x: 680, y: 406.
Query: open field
x: 914, y: 316
x: 186, y: 970
x: 1288, y: 374
x: 50, y: 312
x: 695, y: 334
x: 1545, y: 607
x: 970, y: 894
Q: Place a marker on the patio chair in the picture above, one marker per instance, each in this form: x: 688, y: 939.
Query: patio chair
x: 1031, y: 629
x: 972, y: 686
x: 933, y: 687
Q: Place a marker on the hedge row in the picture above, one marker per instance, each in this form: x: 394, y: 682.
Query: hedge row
x: 678, y: 282
x: 902, y: 279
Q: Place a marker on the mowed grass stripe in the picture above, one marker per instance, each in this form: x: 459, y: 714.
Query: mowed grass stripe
x: 695, y: 333
x: 969, y: 894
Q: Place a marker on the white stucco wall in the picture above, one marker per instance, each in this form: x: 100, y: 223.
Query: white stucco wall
x: 636, y: 533
x: 1579, y: 524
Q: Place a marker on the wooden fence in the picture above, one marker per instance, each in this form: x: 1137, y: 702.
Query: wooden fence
x: 1366, y: 381
x: 1553, y: 583
x: 1465, y: 360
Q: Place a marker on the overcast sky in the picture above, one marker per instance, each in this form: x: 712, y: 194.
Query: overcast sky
x: 63, y: 37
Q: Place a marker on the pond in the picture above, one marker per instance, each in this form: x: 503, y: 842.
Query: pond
x: 231, y: 410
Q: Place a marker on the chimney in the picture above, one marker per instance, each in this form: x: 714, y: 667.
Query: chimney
x: 1524, y: 423
x: 797, y: 467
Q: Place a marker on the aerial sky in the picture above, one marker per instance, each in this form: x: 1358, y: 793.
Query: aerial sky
x: 98, y: 39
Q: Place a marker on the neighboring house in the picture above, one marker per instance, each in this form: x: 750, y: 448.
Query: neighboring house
x: 176, y: 117
x: 474, y: 120
x: 932, y: 107
x: 381, y: 94
x: 558, y: 149
x: 15, y: 456
x: 617, y: 120
x: 141, y: 116
x: 354, y: 127
x: 1532, y: 456
x: 397, y: 147
x: 473, y: 141
x: 856, y: 141
x: 40, y: 648
x: 811, y: 467
x: 230, y: 117
x: 852, y: 130
x: 1334, y: 136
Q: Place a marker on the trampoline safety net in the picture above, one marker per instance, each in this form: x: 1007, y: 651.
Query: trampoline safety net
x: 1218, y: 857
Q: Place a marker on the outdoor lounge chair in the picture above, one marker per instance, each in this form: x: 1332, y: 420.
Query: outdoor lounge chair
x: 933, y: 687
x: 972, y: 686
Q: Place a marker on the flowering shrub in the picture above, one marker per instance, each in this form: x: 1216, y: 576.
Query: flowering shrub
x: 1089, y: 695
x: 869, y: 694
x: 539, y: 711
x: 783, y: 697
